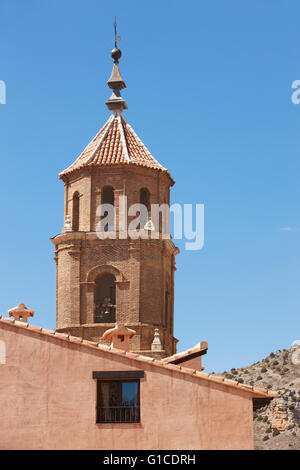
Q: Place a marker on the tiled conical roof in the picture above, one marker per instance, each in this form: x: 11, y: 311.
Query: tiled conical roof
x: 115, y: 144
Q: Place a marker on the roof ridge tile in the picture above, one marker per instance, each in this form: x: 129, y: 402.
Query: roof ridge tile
x: 123, y: 139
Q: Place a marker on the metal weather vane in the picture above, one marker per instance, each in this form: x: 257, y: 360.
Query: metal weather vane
x: 117, y: 38
x: 116, y: 103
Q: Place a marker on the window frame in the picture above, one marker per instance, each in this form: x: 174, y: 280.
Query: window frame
x: 119, y: 380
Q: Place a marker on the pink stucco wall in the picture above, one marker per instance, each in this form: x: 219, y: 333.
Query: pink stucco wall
x: 48, y: 400
x: 195, y: 363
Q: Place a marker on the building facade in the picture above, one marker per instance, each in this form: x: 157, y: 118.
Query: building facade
x: 63, y: 392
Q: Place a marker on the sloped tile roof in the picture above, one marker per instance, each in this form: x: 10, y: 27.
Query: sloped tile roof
x: 198, y: 350
x: 115, y: 144
x: 255, y: 391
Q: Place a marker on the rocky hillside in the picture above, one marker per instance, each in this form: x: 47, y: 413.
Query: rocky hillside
x: 277, y: 425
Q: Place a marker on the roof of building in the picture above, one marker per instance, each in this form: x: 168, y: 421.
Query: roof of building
x: 198, y: 350
x: 255, y: 391
x: 115, y: 144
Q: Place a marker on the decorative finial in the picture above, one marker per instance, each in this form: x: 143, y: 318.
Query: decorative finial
x: 156, y: 343
x: 149, y: 225
x: 67, y: 226
x: 116, y: 103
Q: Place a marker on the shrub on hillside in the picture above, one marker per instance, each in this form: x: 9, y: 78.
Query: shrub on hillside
x: 228, y: 376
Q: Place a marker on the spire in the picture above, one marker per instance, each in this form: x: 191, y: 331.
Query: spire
x: 116, y: 103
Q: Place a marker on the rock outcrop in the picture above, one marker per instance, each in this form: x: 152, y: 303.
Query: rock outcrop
x: 276, y: 425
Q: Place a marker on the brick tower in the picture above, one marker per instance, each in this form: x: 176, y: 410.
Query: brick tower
x: 103, y: 274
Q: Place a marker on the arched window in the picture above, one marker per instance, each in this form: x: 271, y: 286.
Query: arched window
x: 145, y: 200
x: 105, y: 299
x: 108, y: 197
x: 75, y: 212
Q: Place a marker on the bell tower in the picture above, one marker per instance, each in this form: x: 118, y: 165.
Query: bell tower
x: 107, y: 272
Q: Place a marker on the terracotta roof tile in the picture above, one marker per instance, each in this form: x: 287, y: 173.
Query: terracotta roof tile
x: 155, y: 362
x: 115, y: 144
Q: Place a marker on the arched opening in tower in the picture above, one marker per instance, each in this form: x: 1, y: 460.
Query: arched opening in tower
x: 108, y: 197
x: 75, y: 212
x: 105, y: 299
x: 145, y: 201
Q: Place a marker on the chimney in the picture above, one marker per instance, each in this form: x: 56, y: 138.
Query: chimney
x: 21, y: 313
x: 119, y: 336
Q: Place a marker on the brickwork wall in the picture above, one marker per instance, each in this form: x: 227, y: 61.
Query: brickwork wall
x: 142, y: 268
x: 82, y: 185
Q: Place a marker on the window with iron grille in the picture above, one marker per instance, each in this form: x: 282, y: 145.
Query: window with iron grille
x: 118, y: 401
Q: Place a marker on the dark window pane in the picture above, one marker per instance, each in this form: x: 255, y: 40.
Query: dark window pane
x: 129, y: 393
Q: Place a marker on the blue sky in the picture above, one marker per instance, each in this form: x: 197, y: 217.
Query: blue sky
x: 209, y: 92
